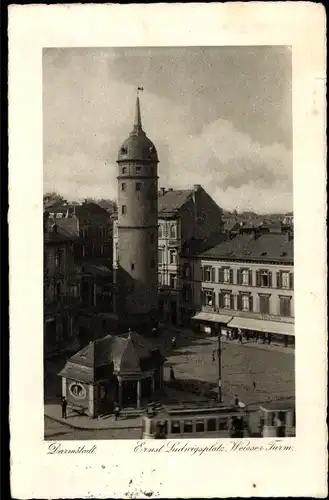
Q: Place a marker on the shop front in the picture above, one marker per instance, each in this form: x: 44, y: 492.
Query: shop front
x: 264, y: 331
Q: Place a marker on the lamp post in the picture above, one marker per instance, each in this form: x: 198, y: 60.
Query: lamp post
x: 219, y: 357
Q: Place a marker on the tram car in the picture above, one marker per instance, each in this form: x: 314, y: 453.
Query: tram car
x: 278, y: 419
x: 210, y: 421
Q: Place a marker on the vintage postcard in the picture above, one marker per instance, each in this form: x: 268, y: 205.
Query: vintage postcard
x: 167, y: 250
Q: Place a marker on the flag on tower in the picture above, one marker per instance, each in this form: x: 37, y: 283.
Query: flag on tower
x: 139, y: 88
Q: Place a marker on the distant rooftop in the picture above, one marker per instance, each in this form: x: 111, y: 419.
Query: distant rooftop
x: 267, y: 247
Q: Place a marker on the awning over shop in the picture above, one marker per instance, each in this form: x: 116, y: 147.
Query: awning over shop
x: 259, y: 325
x: 213, y: 318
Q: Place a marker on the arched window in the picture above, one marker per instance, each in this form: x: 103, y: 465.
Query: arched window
x: 173, y: 231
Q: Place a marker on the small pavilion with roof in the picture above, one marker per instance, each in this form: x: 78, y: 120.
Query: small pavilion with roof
x: 125, y: 369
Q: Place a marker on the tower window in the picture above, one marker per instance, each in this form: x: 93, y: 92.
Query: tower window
x: 132, y: 266
x: 123, y: 209
x: 138, y: 186
x: 123, y: 186
x: 124, y: 170
x: 138, y: 169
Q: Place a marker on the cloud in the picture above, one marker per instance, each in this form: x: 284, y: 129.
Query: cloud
x: 88, y: 113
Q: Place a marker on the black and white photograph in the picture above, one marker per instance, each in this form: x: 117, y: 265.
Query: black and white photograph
x: 168, y: 237
x: 167, y: 250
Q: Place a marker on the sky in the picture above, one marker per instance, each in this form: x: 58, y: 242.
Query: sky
x: 218, y: 116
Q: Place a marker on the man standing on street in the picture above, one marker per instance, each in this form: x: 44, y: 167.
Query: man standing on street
x: 64, y: 406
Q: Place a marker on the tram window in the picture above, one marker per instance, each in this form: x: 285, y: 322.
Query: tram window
x: 175, y: 427
x: 188, y: 426
x: 199, y: 426
x: 211, y: 424
x: 223, y: 426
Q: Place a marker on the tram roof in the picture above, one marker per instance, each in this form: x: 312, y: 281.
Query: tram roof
x: 278, y: 406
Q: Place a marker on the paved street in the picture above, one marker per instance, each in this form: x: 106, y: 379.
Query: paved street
x: 271, y: 370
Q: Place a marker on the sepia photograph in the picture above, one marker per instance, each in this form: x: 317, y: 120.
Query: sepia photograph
x: 168, y: 243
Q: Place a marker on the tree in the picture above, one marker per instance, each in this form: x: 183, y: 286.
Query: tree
x: 52, y: 198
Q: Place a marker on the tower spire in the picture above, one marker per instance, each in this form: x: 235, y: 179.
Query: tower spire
x: 138, y: 119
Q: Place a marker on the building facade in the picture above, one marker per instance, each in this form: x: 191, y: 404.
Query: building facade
x: 61, y: 290
x: 184, y: 216
x: 247, y: 283
x: 136, y: 243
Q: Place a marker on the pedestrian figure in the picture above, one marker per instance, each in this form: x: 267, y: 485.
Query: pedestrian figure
x: 116, y: 411
x: 269, y: 338
x: 213, y: 356
x: 254, y: 384
x: 64, y: 407
x: 173, y: 342
x: 236, y: 401
x: 172, y: 374
x: 285, y: 341
x: 239, y: 337
x: 256, y: 336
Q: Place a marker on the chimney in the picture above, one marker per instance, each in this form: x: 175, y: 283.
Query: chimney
x: 170, y: 189
x: 196, y: 187
x: 162, y: 191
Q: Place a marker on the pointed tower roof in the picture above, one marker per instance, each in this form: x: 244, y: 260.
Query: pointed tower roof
x: 138, y: 119
x: 137, y: 146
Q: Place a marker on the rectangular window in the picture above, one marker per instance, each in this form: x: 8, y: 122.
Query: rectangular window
x: 138, y: 186
x: 211, y: 425
x: 132, y: 266
x: 187, y: 271
x: 123, y: 170
x: 245, y: 277
x: 188, y: 426
x: 285, y: 281
x: 285, y: 306
x: 173, y: 280
x: 264, y: 304
x: 123, y: 186
x: 226, y: 275
x: 208, y: 298
x: 172, y: 257
x: 160, y: 256
x: 245, y: 302
x: 222, y: 424
x: 228, y: 299
x: 209, y: 274
x: 175, y: 427
x: 199, y: 425
x: 123, y: 209
x: 138, y: 169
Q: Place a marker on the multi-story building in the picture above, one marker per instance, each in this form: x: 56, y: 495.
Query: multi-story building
x: 247, y: 283
x: 184, y: 216
x: 61, y: 289
x: 90, y: 226
x: 187, y: 215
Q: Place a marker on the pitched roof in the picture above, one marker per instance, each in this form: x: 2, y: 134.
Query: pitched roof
x: 65, y: 226
x: 127, y: 354
x: 266, y: 247
x: 173, y: 200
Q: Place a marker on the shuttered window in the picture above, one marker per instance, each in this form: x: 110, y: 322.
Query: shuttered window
x: 264, y: 304
x: 285, y: 306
